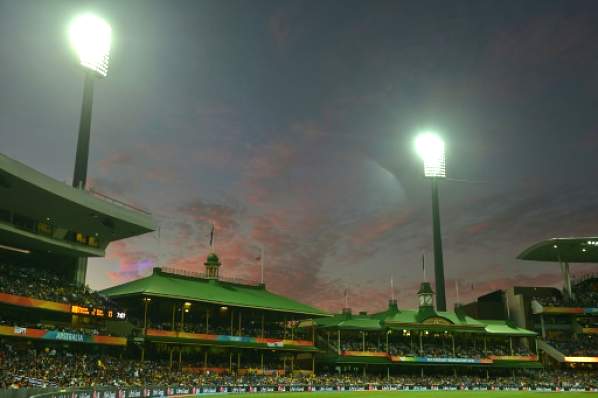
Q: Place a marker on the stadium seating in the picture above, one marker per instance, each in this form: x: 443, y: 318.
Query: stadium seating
x: 585, y: 291
x: 582, y: 346
x: 24, y: 366
x: 43, y: 285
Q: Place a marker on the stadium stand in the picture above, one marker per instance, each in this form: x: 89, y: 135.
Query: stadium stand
x: 566, y: 325
x: 38, y: 283
x: 177, y: 331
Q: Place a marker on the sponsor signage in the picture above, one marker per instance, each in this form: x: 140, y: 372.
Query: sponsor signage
x: 581, y: 359
x: 364, y: 354
x: 217, y: 338
x: 44, y: 334
x: 513, y: 357
x: 157, y: 392
x: 396, y: 358
x: 568, y: 310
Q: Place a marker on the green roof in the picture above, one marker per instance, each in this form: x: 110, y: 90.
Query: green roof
x: 419, y: 318
x: 506, y: 328
x: 346, y: 321
x: 424, y: 318
x: 168, y: 285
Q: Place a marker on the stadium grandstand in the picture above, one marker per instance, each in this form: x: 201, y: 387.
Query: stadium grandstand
x: 45, y: 307
x: 211, y: 324
x: 566, y: 319
x: 177, y: 332
x: 396, y: 341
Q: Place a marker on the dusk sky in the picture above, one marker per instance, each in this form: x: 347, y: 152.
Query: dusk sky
x: 290, y: 124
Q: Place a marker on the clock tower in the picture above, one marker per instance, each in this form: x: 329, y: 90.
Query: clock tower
x: 212, y: 266
x: 425, y: 295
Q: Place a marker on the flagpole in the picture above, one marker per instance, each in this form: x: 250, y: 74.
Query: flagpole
x: 507, y: 305
x: 159, y: 247
x: 424, y: 266
x: 346, y: 297
x: 392, y: 289
x: 262, y: 263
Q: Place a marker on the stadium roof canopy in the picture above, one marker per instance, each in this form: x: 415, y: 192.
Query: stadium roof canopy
x: 180, y: 287
x: 424, y: 318
x: 498, y: 327
x: 346, y: 321
x: 569, y: 250
x: 28, y: 192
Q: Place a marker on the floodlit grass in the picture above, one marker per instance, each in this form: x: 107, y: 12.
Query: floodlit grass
x: 424, y: 394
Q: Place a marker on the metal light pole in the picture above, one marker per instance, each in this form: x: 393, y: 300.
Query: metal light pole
x: 430, y: 148
x: 82, y: 155
x: 438, y: 257
x: 90, y: 37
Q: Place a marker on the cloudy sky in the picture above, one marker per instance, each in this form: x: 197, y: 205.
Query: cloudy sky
x: 290, y: 124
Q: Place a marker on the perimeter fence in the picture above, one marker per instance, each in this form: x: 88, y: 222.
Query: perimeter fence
x: 171, y: 391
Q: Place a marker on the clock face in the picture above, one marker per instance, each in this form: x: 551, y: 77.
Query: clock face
x: 425, y: 299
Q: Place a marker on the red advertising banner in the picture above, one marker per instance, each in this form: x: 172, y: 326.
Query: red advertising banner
x: 34, y: 303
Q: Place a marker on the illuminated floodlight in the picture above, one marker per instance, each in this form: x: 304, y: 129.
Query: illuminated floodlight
x: 430, y: 148
x: 90, y: 37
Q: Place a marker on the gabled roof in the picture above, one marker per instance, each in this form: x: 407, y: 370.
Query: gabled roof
x: 346, y: 321
x: 419, y: 317
x: 425, y: 318
x: 168, y: 285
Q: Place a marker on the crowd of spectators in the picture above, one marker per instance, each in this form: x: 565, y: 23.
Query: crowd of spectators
x: 438, y: 349
x: 250, y: 329
x: 60, y: 368
x: 41, y: 284
x: 51, y: 367
x: 585, y: 292
x: 581, y: 346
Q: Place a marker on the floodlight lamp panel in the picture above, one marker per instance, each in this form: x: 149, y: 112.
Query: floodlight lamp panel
x: 430, y: 148
x: 91, y: 37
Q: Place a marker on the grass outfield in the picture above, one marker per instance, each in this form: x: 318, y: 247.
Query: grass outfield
x: 420, y: 394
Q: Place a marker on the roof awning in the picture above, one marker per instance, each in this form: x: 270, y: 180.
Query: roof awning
x: 505, y: 329
x: 569, y: 250
x: 23, y: 190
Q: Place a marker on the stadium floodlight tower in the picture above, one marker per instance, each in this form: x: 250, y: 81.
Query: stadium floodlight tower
x: 430, y: 148
x: 90, y: 36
